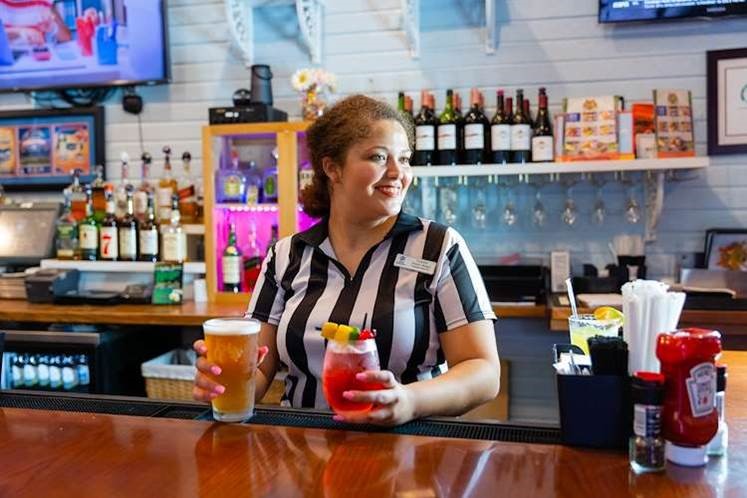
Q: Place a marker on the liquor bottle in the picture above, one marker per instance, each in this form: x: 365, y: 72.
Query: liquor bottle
x: 127, y: 226
x: 173, y: 239
x: 66, y: 231
x: 425, y: 133
x: 230, y: 182
x: 254, y: 185
x: 148, y: 236
x: 108, y: 234
x: 253, y: 260
x: 98, y: 189
x: 270, y: 180
x: 88, y: 232
x: 42, y: 370
x: 120, y: 193
x: 55, y: 372
x: 141, y: 196
x: 167, y: 188
x: 187, y: 191
x: 69, y: 373
x: 78, y: 197
x: 542, y: 141
x: 84, y: 373
x: 231, y: 263
x: 305, y: 177
x: 447, y: 132
x: 520, y: 132
x: 476, y: 131
x: 500, y: 133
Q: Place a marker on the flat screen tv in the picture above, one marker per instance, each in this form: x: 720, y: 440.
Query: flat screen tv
x: 653, y: 10
x: 56, y: 44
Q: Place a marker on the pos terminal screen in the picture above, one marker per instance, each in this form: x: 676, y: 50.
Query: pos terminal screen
x: 27, y: 235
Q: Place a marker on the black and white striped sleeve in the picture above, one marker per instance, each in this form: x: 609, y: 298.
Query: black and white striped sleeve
x: 267, y: 303
x: 460, y: 295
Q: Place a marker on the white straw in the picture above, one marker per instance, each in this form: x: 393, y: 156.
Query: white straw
x: 571, y: 296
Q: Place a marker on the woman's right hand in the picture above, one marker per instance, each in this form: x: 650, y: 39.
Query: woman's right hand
x: 205, y: 388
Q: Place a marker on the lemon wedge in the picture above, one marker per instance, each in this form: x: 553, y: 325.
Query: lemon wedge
x: 609, y: 313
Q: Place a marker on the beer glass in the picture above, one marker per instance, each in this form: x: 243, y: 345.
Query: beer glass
x: 232, y: 345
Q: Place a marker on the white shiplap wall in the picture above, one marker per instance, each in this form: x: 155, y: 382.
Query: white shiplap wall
x: 540, y: 43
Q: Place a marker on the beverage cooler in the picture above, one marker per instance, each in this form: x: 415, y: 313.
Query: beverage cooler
x: 88, y: 361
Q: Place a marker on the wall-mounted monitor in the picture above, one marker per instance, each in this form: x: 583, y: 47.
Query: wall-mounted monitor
x: 55, y: 44
x: 654, y: 10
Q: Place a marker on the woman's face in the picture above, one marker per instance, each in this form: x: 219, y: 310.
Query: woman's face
x: 376, y: 175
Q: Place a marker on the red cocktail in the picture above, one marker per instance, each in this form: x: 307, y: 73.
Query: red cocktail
x: 342, y: 361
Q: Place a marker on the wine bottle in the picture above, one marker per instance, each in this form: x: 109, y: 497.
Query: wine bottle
x: 542, y: 140
x: 459, y: 128
x: 231, y: 264
x: 425, y: 132
x: 476, y: 131
x: 88, y: 232
x: 520, y: 132
x: 128, y: 228
x: 148, y: 236
x: 500, y: 133
x: 447, y: 132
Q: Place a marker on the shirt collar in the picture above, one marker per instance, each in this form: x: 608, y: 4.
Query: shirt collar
x: 318, y: 233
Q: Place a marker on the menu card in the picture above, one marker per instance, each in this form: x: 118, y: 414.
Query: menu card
x: 591, y: 128
x: 674, y: 123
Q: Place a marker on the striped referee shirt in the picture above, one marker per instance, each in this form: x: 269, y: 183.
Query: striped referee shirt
x: 409, y: 300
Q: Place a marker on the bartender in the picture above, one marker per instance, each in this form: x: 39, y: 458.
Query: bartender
x: 414, y: 278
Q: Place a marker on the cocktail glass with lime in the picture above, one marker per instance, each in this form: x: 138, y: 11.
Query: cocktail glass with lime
x: 582, y: 327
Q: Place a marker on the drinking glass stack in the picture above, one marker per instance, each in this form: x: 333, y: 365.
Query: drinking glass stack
x: 649, y: 309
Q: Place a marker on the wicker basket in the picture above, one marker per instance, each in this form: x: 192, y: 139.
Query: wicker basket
x: 171, y: 375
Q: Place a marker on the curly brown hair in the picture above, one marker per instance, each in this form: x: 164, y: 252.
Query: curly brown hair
x: 343, y: 125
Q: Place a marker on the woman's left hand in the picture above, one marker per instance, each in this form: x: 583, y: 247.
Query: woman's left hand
x: 393, y: 403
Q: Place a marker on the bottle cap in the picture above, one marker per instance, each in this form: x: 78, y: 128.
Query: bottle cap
x: 648, y: 388
x: 687, y: 456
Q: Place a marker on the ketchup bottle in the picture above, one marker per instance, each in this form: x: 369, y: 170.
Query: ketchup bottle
x: 689, y: 417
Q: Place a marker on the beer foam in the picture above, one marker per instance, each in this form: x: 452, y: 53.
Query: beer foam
x: 231, y: 326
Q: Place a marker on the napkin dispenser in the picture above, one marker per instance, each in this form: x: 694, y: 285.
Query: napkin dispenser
x: 516, y: 283
x: 43, y: 285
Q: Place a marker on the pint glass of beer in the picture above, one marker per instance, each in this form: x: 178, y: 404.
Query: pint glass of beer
x: 232, y: 345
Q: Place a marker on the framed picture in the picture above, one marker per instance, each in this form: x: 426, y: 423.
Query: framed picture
x: 727, y: 101
x: 40, y: 148
x: 726, y: 249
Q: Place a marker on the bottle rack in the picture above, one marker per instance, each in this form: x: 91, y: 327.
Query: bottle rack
x: 289, y: 138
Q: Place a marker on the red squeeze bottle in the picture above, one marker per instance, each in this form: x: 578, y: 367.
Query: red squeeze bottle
x: 689, y: 416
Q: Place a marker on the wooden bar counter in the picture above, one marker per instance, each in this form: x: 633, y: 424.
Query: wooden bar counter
x: 187, y: 314
x: 61, y: 454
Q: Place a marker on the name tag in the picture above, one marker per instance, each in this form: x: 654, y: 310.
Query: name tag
x: 415, y: 264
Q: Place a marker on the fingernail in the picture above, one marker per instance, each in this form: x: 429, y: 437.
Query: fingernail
x: 347, y: 395
x: 219, y: 389
x: 360, y: 376
x: 215, y: 370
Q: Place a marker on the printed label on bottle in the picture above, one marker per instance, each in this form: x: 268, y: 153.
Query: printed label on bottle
x: 425, y: 137
x: 174, y: 246
x: 109, y: 243
x: 232, y: 187
x: 474, y: 136
x: 140, y: 202
x: 447, y: 137
x: 89, y: 237
x: 65, y: 253
x: 163, y: 196
x: 701, y: 389
x: 542, y: 148
x: 500, y: 137
x: 149, y: 241
x: 128, y: 243
x: 520, y: 137
x: 305, y: 177
x: 231, y: 269
x: 647, y: 420
x: 270, y: 187
x: 66, y: 241
x: 252, y: 195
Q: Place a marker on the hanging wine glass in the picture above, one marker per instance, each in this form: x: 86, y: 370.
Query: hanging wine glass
x: 448, y: 202
x: 414, y: 200
x: 600, y: 210
x: 539, y: 215
x: 510, y: 216
x: 479, y: 208
x: 570, y: 212
x: 632, y: 209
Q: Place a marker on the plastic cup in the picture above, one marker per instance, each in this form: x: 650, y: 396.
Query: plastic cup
x: 582, y: 327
